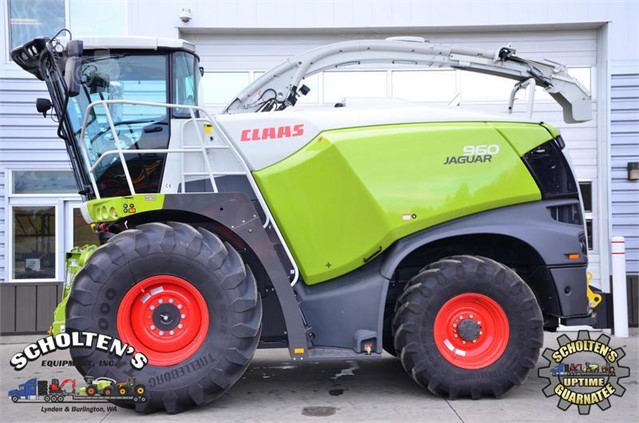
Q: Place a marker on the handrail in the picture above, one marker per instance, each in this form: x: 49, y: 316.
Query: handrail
x: 206, y: 118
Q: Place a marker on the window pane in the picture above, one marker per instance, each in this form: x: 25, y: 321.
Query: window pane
x: 340, y: 85
x: 35, y: 18
x: 44, y: 182
x: 480, y: 87
x: 82, y: 233
x: 311, y: 82
x: 589, y: 233
x: 185, y: 79
x: 586, y: 195
x: 34, y: 242
x: 582, y: 75
x: 222, y: 87
x: 424, y: 85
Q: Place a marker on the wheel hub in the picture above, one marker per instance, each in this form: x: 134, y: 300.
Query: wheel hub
x: 165, y: 317
x: 469, y: 330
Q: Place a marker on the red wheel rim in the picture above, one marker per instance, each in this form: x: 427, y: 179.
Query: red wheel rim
x: 165, y: 317
x: 471, y: 331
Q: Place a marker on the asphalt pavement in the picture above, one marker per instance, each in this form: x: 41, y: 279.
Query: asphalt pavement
x: 274, y: 389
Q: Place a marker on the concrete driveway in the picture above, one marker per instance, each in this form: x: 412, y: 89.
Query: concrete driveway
x: 275, y: 390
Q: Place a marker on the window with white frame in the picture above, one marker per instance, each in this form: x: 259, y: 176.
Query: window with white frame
x: 447, y: 86
x: 35, y: 216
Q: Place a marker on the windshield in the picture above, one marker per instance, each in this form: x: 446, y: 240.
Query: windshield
x: 130, y: 76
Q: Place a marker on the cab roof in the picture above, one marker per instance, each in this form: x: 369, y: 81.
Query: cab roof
x: 135, y: 43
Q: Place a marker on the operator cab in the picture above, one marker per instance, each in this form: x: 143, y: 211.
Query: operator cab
x: 147, y: 72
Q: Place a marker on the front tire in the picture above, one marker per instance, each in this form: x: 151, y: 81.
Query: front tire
x: 467, y: 326
x: 180, y: 296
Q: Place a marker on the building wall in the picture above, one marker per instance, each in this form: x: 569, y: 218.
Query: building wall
x: 27, y: 140
x: 625, y: 148
x: 27, y: 307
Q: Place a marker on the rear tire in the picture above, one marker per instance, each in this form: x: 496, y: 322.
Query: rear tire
x: 467, y: 326
x: 217, y: 289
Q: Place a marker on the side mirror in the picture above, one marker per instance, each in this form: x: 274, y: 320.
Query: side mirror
x: 72, y: 67
x: 43, y: 105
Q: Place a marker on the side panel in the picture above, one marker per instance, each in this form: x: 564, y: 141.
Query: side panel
x: 349, y: 194
x: 338, y: 310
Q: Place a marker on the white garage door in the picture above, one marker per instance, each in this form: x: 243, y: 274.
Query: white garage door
x: 233, y: 61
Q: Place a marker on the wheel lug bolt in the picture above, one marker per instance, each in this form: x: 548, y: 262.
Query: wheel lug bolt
x: 464, y: 342
x: 171, y: 300
x: 179, y: 306
x: 160, y: 301
x: 180, y: 326
x: 461, y: 317
x: 456, y: 336
x: 183, y: 316
x: 479, y: 322
x: 152, y: 307
x: 161, y: 332
x: 481, y: 333
x: 152, y: 327
x: 171, y: 332
x: 474, y: 341
x: 454, y: 325
x: 471, y: 316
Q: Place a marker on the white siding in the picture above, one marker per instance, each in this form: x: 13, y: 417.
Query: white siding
x: 625, y: 148
x: 27, y: 140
